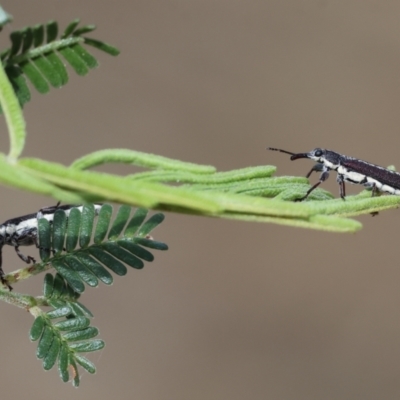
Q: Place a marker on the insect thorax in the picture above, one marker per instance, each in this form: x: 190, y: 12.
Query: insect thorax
x: 330, y: 159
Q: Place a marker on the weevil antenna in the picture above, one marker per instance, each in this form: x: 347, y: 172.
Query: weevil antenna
x: 295, y: 156
x: 282, y: 151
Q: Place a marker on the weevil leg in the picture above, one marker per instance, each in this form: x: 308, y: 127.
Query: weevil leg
x: 375, y: 190
x: 324, y: 176
x: 342, y: 187
x: 4, y: 280
x: 2, y: 274
x: 318, y: 167
x: 372, y: 186
x: 374, y: 193
x: 27, y: 259
x: 36, y: 241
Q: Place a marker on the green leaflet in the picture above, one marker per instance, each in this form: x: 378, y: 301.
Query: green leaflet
x: 84, y: 248
x: 60, y: 342
x: 35, y: 52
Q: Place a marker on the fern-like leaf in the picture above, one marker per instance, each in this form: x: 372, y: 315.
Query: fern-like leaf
x: 63, y: 341
x: 63, y: 332
x: 83, y: 251
x: 38, y: 55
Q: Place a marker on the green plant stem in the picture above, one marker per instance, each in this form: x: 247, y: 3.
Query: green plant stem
x: 27, y: 272
x: 124, y: 156
x: 22, y: 301
x: 14, y: 117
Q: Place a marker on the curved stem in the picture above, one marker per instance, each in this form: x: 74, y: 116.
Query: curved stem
x: 14, y: 117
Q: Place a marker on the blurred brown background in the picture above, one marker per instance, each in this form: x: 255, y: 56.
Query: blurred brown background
x: 233, y: 310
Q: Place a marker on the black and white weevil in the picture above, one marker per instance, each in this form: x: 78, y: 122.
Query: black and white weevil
x: 23, y: 231
x: 349, y: 169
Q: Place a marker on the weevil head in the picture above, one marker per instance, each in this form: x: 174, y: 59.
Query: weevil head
x: 317, y: 154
